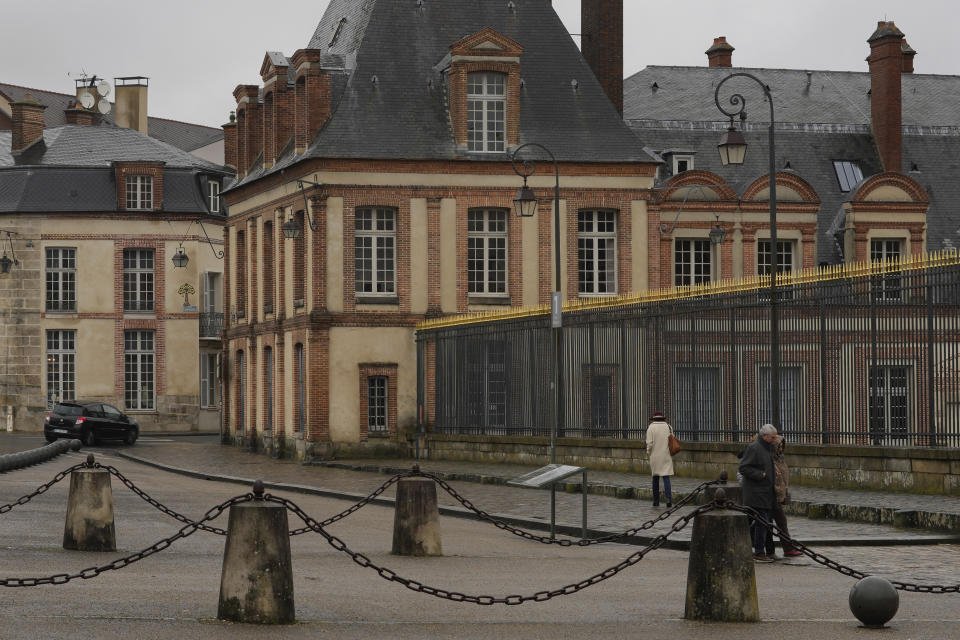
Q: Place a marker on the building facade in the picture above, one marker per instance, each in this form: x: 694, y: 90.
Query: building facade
x: 92, y: 305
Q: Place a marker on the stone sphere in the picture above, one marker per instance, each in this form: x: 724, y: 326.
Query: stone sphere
x: 874, y: 601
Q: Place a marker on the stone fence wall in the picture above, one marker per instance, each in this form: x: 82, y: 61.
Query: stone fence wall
x: 914, y: 470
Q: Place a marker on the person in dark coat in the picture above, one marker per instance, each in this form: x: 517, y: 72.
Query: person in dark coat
x: 756, y: 467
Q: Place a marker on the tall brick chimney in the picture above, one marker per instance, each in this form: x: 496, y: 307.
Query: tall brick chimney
x: 886, y: 66
x: 76, y: 114
x: 230, y: 142
x: 908, y: 54
x: 27, y: 123
x: 721, y: 53
x: 601, y: 24
x: 312, y: 97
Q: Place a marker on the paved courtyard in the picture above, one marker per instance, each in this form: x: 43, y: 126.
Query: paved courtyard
x: 174, y: 593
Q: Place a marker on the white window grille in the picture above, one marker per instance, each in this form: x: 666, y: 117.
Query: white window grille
x: 889, y: 402
x: 140, y: 193
x: 785, y: 264
x: 377, y: 404
x: 138, y: 370
x: 597, y: 252
x: 209, y: 383
x: 887, y: 286
x: 213, y: 196
x: 61, y: 366
x: 138, y: 279
x: 375, y: 251
x: 692, y: 262
x: 61, y: 279
x: 487, y: 251
x: 486, y: 112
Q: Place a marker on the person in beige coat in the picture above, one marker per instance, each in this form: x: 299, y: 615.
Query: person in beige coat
x: 661, y: 462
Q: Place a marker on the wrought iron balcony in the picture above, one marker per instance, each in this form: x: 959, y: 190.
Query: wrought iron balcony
x: 211, y: 324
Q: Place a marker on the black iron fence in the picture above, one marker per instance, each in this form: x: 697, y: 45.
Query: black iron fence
x: 869, y: 354
x: 211, y: 324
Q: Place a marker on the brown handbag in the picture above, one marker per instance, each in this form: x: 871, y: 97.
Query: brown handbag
x: 673, y: 444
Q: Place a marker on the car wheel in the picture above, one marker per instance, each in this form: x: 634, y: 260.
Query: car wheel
x: 89, y: 439
x: 131, y: 437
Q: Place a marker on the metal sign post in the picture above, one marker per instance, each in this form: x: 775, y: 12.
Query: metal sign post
x: 550, y: 475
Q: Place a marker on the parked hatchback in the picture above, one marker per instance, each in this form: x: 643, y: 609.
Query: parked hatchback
x: 89, y: 421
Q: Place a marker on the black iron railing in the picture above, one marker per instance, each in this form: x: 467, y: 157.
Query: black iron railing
x: 211, y: 324
x: 869, y: 355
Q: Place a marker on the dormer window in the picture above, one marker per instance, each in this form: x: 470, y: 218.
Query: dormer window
x: 139, y: 192
x: 848, y: 173
x: 213, y: 196
x: 336, y: 31
x: 486, y: 112
x: 682, y: 163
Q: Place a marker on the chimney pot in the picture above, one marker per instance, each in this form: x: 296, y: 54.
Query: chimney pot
x: 721, y: 53
x: 27, y: 123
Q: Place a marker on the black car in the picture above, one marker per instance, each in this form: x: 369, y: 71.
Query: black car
x: 89, y: 421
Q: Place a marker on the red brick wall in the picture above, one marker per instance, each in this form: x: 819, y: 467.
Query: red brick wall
x: 601, y: 23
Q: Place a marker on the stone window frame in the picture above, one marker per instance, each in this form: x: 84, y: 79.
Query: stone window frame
x: 368, y: 370
x: 61, y: 278
x: 139, y: 192
x: 595, y: 237
x: 142, y: 294
x: 691, y: 280
x: 486, y: 112
x: 487, y: 236
x: 61, y: 365
x: 136, y: 353
x: 376, y: 235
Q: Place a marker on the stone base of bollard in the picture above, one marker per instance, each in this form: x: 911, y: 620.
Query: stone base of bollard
x: 416, y: 522
x: 256, y: 585
x: 89, y: 525
x: 721, y: 583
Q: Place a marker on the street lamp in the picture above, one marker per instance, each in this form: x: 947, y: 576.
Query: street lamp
x: 526, y: 204
x: 180, y: 259
x: 733, y: 149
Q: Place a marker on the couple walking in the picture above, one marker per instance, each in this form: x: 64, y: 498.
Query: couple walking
x: 765, y: 480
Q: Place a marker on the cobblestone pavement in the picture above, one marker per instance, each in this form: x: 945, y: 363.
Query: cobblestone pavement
x: 934, y: 564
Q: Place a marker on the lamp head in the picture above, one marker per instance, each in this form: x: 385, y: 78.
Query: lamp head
x: 732, y: 147
x: 291, y: 229
x: 526, y: 201
x: 180, y: 259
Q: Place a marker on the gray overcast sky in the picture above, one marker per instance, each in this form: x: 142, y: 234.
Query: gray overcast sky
x: 196, y: 51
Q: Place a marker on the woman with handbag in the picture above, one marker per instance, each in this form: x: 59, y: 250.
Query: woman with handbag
x: 661, y: 460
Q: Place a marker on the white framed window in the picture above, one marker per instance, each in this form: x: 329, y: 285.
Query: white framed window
x: 140, y: 192
x: 486, y: 111
x: 487, y: 251
x: 692, y: 262
x: 791, y: 392
x: 377, y: 399
x: 209, y: 381
x: 211, y: 291
x: 597, y: 252
x: 786, y: 251
x: 848, y: 173
x: 213, y: 196
x: 375, y: 251
x: 138, y: 279
x: 61, y: 263
x: 61, y: 366
x: 682, y: 163
x: 889, y: 402
x: 887, y: 286
x: 138, y: 370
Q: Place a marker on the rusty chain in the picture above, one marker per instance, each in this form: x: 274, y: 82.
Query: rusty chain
x: 564, y: 542
x: 819, y: 558
x: 456, y: 596
x: 362, y: 503
x: 41, y: 489
x: 120, y: 563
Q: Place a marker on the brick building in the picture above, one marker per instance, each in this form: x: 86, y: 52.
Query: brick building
x: 91, y: 305
x: 406, y: 213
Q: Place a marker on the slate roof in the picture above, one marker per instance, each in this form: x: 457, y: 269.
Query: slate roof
x: 404, y: 115
x: 72, y: 170
x: 183, y: 135
x: 821, y: 117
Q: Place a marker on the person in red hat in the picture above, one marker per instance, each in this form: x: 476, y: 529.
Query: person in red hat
x: 661, y: 462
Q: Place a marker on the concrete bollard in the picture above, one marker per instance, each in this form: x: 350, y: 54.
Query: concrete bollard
x: 256, y: 585
x: 416, y: 522
x: 89, y: 524
x: 721, y: 583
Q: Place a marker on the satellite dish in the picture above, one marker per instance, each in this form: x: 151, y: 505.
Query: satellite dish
x: 103, y: 88
x: 86, y: 99
x: 104, y: 107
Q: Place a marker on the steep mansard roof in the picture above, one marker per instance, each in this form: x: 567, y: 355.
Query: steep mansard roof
x: 821, y: 116
x: 72, y: 170
x: 404, y: 113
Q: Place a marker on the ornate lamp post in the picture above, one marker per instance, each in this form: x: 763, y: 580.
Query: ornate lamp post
x: 526, y: 203
x: 733, y: 149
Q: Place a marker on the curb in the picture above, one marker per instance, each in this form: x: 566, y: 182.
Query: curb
x: 570, y: 530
